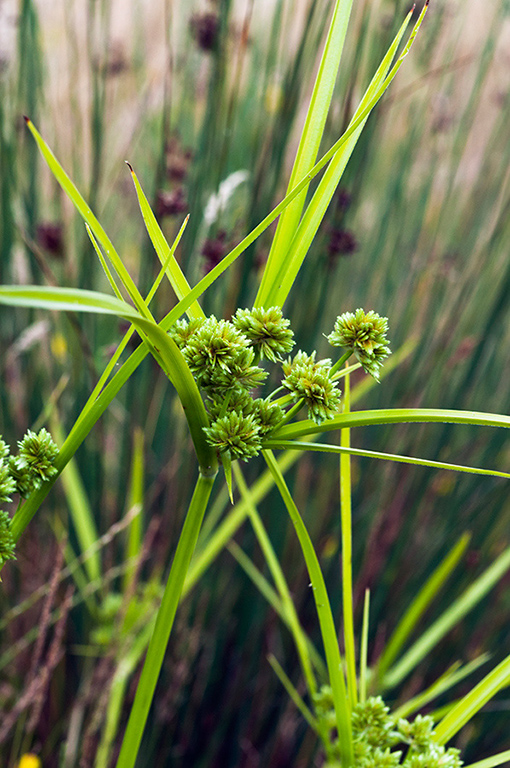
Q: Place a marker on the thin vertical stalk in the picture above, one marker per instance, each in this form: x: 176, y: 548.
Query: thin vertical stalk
x: 346, y: 520
x: 279, y: 579
x: 164, y: 622
x: 363, y: 661
x: 325, y: 614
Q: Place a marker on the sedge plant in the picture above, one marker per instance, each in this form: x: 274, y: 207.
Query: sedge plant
x: 217, y: 367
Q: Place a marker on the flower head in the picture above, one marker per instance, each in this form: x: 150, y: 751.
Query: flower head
x: 7, y: 544
x: 235, y: 434
x: 35, y: 461
x: 182, y: 331
x: 268, y: 332
x: 4, y: 449
x: 365, y: 335
x: 268, y: 415
x: 7, y: 484
x: 220, y: 357
x: 378, y: 737
x: 311, y: 381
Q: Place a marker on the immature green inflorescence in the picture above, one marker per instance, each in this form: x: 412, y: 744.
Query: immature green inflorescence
x: 365, y: 335
x: 224, y: 357
x: 34, y: 463
x: 7, y: 483
x: 267, y: 330
x: 220, y: 357
x: 312, y: 381
x: 381, y: 741
x: 7, y: 544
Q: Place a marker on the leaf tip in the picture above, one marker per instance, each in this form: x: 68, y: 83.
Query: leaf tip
x: 26, y: 119
x: 129, y: 165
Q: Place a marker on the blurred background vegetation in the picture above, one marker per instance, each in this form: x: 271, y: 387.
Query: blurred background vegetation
x: 206, y: 99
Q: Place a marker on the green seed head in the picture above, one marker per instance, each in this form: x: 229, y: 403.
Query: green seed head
x: 304, y: 378
x: 7, y: 483
x: 34, y: 463
x: 378, y: 738
x: 268, y: 332
x: 267, y: 414
x: 235, y: 434
x: 7, y: 544
x: 4, y: 449
x: 182, y: 331
x: 220, y: 357
x: 365, y: 335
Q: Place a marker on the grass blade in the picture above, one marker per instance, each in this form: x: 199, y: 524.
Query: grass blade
x: 89, y: 218
x: 325, y: 448
x: 450, y: 678
x: 468, y: 706
x: 290, y: 263
x: 420, y: 603
x: 310, y: 138
x: 363, y: 654
x: 493, y: 761
x: 392, y: 416
x: 457, y: 610
x: 346, y: 527
x: 164, y: 252
x: 326, y: 621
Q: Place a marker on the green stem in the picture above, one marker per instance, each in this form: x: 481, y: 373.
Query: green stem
x: 326, y: 621
x: 339, y: 363
x: 164, y: 622
x: 279, y: 580
x: 346, y: 519
x: 292, y: 412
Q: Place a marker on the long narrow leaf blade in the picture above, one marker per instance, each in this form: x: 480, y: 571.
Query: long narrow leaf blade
x: 297, y: 445
x: 87, y: 215
x: 493, y: 761
x: 392, y: 416
x: 420, y: 603
x: 164, y: 251
x: 277, y: 292
x: 468, y: 706
x: 456, y: 611
x: 312, y: 133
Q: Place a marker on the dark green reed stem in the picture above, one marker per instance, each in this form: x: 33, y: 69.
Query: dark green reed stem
x: 164, y: 623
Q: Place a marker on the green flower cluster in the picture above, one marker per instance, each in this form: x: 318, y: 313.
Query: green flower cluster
x: 7, y: 544
x: 312, y: 382
x: 269, y: 333
x: 365, y: 335
x: 33, y: 465
x: 23, y: 474
x: 7, y: 483
x: 222, y: 357
x: 381, y: 741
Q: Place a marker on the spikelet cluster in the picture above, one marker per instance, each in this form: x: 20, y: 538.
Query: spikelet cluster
x: 34, y: 463
x: 365, y: 335
x: 223, y: 358
x: 7, y: 484
x: 312, y: 381
x: 382, y: 741
x: 268, y: 331
x: 7, y: 544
